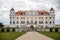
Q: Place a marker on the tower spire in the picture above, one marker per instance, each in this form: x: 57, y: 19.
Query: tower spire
x: 52, y: 9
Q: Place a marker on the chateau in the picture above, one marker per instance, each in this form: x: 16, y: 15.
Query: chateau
x: 32, y: 19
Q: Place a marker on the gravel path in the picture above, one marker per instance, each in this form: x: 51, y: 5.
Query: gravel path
x: 33, y: 36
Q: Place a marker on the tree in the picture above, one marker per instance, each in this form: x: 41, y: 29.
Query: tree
x: 1, y: 25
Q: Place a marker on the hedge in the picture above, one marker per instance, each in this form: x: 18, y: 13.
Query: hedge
x: 2, y: 29
x: 51, y: 29
x: 13, y: 29
x: 56, y: 29
x: 7, y: 29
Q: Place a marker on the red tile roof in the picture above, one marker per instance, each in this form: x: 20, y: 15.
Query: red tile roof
x: 20, y: 13
x: 39, y: 12
x: 43, y: 13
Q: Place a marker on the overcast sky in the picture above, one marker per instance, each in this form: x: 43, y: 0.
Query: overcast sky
x: 6, y: 5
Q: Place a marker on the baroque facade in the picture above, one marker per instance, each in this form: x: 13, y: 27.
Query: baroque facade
x: 31, y: 18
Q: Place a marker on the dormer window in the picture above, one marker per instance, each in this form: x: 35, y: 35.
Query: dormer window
x: 50, y: 17
x: 21, y: 14
x: 41, y: 13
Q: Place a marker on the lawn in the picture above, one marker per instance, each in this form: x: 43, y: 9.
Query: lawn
x: 54, y: 35
x: 10, y: 35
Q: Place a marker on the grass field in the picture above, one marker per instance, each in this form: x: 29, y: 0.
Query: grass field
x: 10, y: 35
x: 54, y: 35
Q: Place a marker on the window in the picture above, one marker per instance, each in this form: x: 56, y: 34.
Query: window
x: 50, y: 17
x: 46, y: 17
x: 31, y: 18
x: 35, y: 22
x: 50, y: 22
x: 22, y: 22
x: 53, y: 22
x: 46, y: 22
x: 40, y: 22
x: 31, y: 22
x: 39, y: 17
x: 21, y: 17
x: 10, y: 22
x: 42, y: 17
x: 17, y: 17
x: 13, y: 12
x: 53, y: 12
x: 17, y: 22
x: 13, y: 22
x: 27, y: 22
x: 10, y: 17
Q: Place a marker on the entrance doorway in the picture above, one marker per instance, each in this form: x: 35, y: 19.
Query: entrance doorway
x: 31, y: 28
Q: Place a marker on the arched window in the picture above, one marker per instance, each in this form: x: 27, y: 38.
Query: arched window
x: 13, y: 22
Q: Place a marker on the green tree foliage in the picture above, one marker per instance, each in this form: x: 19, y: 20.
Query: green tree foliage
x: 1, y: 25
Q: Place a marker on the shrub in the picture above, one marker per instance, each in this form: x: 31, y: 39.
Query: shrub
x: 51, y: 29
x: 2, y: 29
x: 7, y: 29
x: 56, y: 29
x: 13, y: 29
